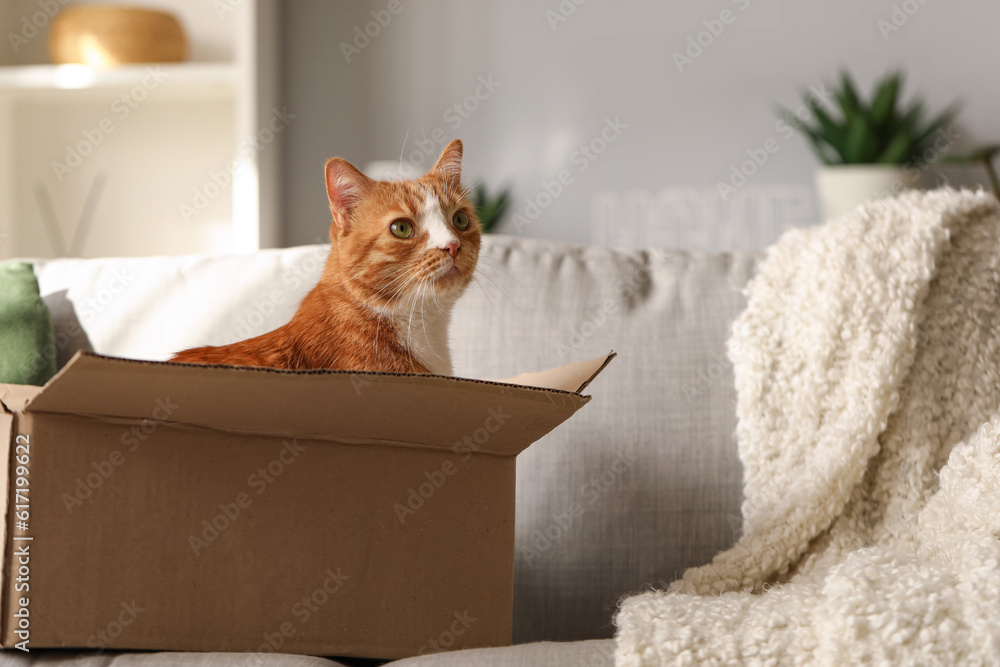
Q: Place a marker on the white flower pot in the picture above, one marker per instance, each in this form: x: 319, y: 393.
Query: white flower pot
x: 843, y: 187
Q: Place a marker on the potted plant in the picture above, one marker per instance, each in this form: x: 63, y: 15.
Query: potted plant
x: 873, y: 147
x: 490, y: 208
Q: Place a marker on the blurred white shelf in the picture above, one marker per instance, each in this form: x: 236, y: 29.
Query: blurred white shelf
x: 158, y: 158
x: 33, y: 79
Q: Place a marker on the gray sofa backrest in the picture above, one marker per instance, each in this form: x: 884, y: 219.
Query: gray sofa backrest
x: 645, y: 480
x: 640, y: 484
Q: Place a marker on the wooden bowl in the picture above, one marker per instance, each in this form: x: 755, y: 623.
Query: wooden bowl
x: 109, y: 35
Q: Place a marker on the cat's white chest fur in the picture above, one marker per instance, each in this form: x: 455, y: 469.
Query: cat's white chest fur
x: 423, y: 330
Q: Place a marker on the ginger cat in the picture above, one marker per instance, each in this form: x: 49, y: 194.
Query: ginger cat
x: 403, y: 252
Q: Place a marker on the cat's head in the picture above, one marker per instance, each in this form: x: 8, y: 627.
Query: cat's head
x: 400, y: 241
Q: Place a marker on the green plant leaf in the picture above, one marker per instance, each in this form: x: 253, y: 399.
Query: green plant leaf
x: 848, y: 99
x: 822, y: 152
x: 898, y: 150
x: 884, y: 99
x: 812, y: 134
x: 912, y: 117
x: 826, y: 152
x: 832, y: 132
x: 942, y: 119
x: 857, y: 136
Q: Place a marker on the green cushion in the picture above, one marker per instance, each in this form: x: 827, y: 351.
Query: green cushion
x: 27, y: 340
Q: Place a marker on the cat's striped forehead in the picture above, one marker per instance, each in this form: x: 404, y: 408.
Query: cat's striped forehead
x: 418, y: 194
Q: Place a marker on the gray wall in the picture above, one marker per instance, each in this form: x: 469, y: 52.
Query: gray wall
x: 556, y: 83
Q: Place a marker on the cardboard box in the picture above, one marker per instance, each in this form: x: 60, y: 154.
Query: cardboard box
x: 182, y: 507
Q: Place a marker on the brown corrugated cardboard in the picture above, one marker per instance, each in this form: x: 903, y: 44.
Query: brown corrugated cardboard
x: 183, y: 507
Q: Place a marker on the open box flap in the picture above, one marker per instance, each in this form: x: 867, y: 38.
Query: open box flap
x: 572, y: 377
x: 362, y: 407
x: 7, y: 440
x: 15, y: 396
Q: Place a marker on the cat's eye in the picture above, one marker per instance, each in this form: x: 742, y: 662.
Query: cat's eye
x: 461, y: 220
x: 402, y: 228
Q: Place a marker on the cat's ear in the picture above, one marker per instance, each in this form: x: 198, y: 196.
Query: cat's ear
x: 449, y: 165
x: 345, y: 187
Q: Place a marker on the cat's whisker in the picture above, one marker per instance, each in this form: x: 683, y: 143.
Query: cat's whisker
x: 437, y: 303
x: 485, y: 268
x: 475, y: 185
x: 498, y: 288
x: 488, y: 282
x: 418, y: 290
x: 344, y: 282
x: 409, y: 324
x: 400, y: 278
x: 485, y: 262
x: 402, y: 275
x: 349, y: 279
x: 495, y: 284
x: 427, y: 340
x: 403, y: 149
x: 489, y: 299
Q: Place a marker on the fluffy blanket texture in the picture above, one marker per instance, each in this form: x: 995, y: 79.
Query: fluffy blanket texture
x: 867, y: 367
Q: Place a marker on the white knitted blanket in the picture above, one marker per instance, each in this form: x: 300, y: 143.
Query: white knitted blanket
x: 867, y: 366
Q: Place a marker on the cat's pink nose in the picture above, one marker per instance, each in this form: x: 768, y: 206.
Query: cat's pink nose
x: 452, y: 248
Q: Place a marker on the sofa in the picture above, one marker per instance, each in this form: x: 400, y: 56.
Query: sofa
x: 652, y: 460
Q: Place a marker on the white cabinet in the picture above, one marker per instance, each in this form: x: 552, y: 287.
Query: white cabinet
x: 144, y: 159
